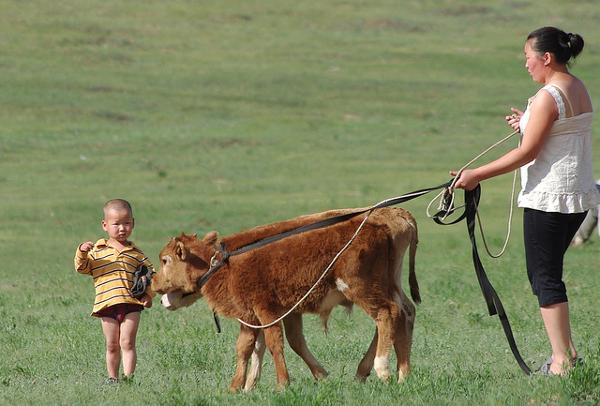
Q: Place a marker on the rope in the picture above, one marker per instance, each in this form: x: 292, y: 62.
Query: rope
x: 443, y: 196
x: 333, y: 261
x: 508, y: 224
x: 480, y: 155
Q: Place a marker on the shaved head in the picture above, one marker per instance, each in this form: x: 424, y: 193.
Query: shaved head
x: 119, y: 205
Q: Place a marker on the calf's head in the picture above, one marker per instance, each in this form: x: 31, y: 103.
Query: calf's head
x: 182, y: 262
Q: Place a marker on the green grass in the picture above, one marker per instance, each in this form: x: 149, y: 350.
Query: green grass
x: 226, y: 115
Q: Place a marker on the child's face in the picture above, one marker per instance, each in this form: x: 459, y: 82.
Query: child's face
x: 118, y: 224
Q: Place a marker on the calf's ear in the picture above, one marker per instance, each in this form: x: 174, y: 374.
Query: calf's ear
x: 181, y: 251
x: 211, y: 237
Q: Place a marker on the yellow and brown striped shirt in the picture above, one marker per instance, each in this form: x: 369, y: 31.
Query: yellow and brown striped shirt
x: 112, y: 272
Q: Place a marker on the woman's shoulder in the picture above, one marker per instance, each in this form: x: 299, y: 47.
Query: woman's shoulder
x: 544, y: 99
x: 575, y: 93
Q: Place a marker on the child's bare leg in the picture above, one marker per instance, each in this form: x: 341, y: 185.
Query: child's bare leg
x: 110, y: 328
x: 129, y: 329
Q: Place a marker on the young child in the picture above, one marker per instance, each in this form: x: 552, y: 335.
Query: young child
x: 112, y: 264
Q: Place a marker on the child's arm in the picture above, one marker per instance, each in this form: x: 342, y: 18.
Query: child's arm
x: 82, y: 261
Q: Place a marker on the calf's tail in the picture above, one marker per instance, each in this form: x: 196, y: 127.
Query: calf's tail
x: 412, y: 276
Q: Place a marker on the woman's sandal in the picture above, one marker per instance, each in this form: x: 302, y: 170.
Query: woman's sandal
x: 545, y: 368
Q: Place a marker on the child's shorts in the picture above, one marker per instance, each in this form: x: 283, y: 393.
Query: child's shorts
x: 119, y: 311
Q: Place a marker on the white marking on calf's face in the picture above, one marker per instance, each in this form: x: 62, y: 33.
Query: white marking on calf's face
x: 341, y: 285
x: 171, y: 301
x: 176, y: 300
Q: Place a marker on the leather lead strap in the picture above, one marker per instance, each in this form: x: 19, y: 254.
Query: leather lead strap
x: 334, y: 220
x: 217, y: 321
x: 225, y: 254
x: 492, y: 300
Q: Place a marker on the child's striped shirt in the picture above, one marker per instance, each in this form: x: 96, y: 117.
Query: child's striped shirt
x: 112, y: 272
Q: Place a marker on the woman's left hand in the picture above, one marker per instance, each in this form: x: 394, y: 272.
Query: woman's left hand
x: 514, y: 119
x: 467, y: 179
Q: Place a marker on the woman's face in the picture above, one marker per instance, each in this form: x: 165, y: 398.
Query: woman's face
x: 534, y: 63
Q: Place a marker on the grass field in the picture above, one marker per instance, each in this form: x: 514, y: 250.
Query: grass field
x: 226, y: 115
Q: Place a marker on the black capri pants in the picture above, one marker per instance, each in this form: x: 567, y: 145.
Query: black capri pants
x: 547, y: 236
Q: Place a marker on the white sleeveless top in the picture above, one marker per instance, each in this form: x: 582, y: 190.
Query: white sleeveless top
x: 560, y: 179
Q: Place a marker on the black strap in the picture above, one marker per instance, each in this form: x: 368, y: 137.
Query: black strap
x: 217, y: 322
x: 492, y: 299
x: 218, y: 263
x: 142, y: 278
x: 334, y: 220
x: 214, y: 266
x: 224, y: 254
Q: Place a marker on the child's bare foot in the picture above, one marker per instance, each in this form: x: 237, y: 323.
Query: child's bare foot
x: 111, y: 381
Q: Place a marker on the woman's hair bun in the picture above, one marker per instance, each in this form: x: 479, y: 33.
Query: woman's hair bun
x: 575, y: 43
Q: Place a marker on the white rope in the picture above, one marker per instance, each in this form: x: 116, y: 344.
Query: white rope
x: 480, y: 155
x: 451, y: 191
x: 333, y: 261
x: 508, y: 225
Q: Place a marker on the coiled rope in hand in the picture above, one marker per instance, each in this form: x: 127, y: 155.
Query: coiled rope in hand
x: 446, y: 199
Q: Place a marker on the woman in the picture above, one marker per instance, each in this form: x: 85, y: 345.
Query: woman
x: 556, y: 175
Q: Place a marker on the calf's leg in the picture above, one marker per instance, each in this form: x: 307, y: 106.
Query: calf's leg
x: 386, y: 321
x: 385, y: 313
x: 402, y: 345
x: 403, y: 338
x: 274, y: 341
x: 244, y: 347
x: 293, y: 332
x: 255, y: 362
x: 295, y: 337
x: 366, y: 363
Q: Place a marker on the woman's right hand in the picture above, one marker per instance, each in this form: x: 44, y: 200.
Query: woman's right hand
x: 514, y: 119
x: 467, y: 179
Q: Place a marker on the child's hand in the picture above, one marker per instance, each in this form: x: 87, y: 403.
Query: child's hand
x: 146, y: 301
x: 86, y: 246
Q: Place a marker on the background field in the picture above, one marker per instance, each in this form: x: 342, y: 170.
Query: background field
x: 226, y: 115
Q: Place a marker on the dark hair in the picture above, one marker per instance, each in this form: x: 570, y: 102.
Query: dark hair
x: 551, y: 39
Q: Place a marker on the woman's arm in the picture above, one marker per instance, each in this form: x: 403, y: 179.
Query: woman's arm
x: 543, y: 113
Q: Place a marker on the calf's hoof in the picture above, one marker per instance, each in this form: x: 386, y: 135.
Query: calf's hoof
x: 402, y: 375
x: 236, y: 386
x: 321, y: 374
x: 249, y: 386
x: 361, y: 377
x: 281, y: 386
x: 384, y: 376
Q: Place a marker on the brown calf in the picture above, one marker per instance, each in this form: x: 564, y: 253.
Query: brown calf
x: 261, y: 285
